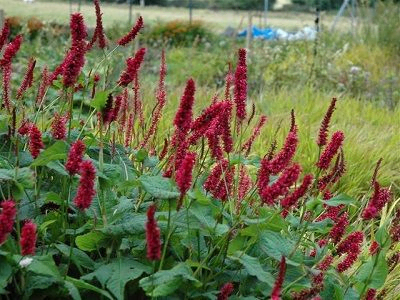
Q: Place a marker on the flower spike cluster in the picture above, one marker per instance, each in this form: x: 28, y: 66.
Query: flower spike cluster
x: 7, y: 217
x: 132, y: 34
x: 99, y: 30
x: 331, y: 150
x: 84, y: 195
x: 28, y: 238
x: 378, y: 200
x: 351, y: 246
x: 152, y: 235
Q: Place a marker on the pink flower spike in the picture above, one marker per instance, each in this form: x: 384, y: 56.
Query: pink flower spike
x: 225, y: 291
x: 331, y: 150
x: 28, y: 238
x: 7, y: 218
x: 75, y: 156
x: 132, y: 34
x: 276, y: 290
x: 152, y: 235
x: 323, y: 131
x: 84, y: 195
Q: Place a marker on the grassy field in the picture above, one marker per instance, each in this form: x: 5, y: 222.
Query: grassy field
x: 113, y: 13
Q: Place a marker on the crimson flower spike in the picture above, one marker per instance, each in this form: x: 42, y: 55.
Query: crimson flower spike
x: 28, y: 238
x: 28, y: 78
x: 285, y: 155
x: 132, y: 34
x: 152, y: 235
x: 132, y: 68
x: 86, y: 191
x: 35, y: 141
x: 7, y: 217
x: 276, y: 290
x: 184, y: 176
x: 331, y: 149
x: 225, y: 291
x: 4, y: 33
x: 75, y: 156
x: 10, y: 51
x: 323, y: 130
x: 256, y: 132
x: 99, y: 30
x: 240, y: 91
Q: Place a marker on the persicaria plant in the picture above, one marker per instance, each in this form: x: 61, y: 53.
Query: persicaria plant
x: 103, y: 203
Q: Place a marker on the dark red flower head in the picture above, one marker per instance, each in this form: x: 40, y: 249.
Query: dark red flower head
x: 28, y: 238
x: 225, y: 291
x: 331, y: 150
x: 276, y: 290
x: 152, y: 235
x: 75, y: 156
x: 132, y: 34
x: 323, y: 131
x: 35, y: 141
x: 84, y: 195
x: 7, y: 217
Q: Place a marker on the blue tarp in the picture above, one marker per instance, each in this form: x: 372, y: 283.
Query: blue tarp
x: 266, y: 33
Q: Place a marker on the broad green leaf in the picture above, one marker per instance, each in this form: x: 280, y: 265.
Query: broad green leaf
x: 102, y: 274
x: 373, y: 272
x: 141, y: 155
x: 253, y: 267
x: 72, y: 290
x: 165, y: 282
x: 5, y: 273
x: 134, y: 226
x: 340, y: 199
x: 84, y: 285
x: 382, y: 236
x: 159, y: 187
x: 37, y: 282
x: 58, y: 167
x: 89, y: 241
x: 24, y: 177
x: 7, y: 174
x: 124, y: 270
x: 78, y: 257
x: 275, y: 245
x: 44, y: 265
x: 99, y: 100
x: 55, y: 152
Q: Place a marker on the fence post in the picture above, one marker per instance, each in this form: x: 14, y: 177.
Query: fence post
x: 249, y: 31
x: 1, y: 17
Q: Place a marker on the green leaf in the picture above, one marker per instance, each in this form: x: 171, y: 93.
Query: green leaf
x: 373, y: 272
x: 99, y: 100
x: 141, y: 155
x: 37, y: 282
x: 253, y: 267
x: 44, y: 265
x: 78, y: 257
x: 102, y: 274
x: 125, y: 270
x: 159, y: 187
x: 55, y: 152
x: 84, y: 285
x: 58, y: 167
x: 22, y: 177
x: 5, y: 273
x: 72, y: 290
x: 340, y: 199
x: 89, y: 241
x: 165, y: 282
x: 134, y: 226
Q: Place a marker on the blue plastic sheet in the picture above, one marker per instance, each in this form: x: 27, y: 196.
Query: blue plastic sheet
x: 266, y: 33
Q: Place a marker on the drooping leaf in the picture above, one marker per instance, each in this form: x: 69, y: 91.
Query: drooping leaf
x: 253, y: 267
x: 72, y: 290
x: 159, y: 187
x: 55, y: 152
x: 89, y: 241
x: 5, y: 273
x: 99, y: 100
x: 165, y: 282
x: 80, y: 284
x: 44, y: 265
x: 77, y: 256
x: 340, y: 199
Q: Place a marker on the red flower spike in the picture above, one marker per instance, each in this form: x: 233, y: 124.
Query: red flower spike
x: 84, y: 195
x: 285, y: 155
x: 7, y: 217
x: 58, y: 128
x: 325, y: 263
x: 6, y: 86
x: 4, y: 33
x: 35, y: 141
x: 132, y: 34
x: 129, y: 131
x: 352, y: 247
x: 28, y: 78
x: 78, y: 29
x: 256, y: 132
x: 374, y: 248
x: 225, y: 291
x: 339, y: 228
x: 99, y: 30
x: 75, y: 156
x: 28, y: 238
x: 219, y: 182
x: 371, y: 294
x: 44, y: 83
x: 161, y: 96
x: 299, y: 192
x: 276, y: 290
x: 331, y: 150
x: 378, y: 200
x: 152, y: 235
x: 324, y: 128
x: 225, y: 120
x: 184, y: 175
x: 279, y: 188
x: 11, y: 50
x: 184, y: 115
x: 240, y: 90
x: 132, y: 68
